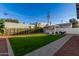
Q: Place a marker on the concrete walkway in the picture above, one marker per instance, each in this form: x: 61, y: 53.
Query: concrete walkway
x: 10, y: 51
x: 51, y: 48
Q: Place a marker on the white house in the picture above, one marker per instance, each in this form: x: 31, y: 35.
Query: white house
x: 12, y: 28
x: 67, y: 27
x: 64, y: 25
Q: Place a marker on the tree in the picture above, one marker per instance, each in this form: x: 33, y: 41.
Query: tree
x: 11, y: 20
x: 2, y: 20
x: 38, y: 29
x: 74, y: 22
x: 2, y: 28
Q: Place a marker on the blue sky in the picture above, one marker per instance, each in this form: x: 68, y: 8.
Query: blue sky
x: 37, y: 12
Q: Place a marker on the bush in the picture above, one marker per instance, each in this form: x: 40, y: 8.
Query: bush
x: 39, y: 30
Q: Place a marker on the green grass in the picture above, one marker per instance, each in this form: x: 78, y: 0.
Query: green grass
x: 24, y: 45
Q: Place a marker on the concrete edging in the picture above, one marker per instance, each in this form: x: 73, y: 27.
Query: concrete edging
x: 51, y: 48
x: 10, y: 51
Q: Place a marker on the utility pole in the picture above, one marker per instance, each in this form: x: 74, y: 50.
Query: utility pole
x: 48, y: 18
x: 61, y: 21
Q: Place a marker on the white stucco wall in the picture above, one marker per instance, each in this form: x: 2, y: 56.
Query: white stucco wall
x: 68, y: 30
x: 17, y: 25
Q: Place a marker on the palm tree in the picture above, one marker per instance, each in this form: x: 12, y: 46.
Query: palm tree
x: 74, y: 22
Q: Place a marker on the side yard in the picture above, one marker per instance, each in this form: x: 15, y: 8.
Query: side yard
x: 23, y: 45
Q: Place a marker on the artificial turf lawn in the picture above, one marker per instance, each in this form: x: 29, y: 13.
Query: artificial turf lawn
x: 24, y: 45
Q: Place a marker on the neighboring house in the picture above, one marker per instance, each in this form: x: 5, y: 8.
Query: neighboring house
x: 14, y: 28
x: 49, y: 29
x: 58, y: 27
x: 65, y: 25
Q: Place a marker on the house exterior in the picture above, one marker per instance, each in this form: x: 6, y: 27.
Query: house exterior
x: 65, y: 25
x: 16, y: 28
x: 56, y: 28
x: 49, y: 29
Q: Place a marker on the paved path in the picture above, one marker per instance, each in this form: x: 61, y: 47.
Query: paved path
x: 71, y: 48
x: 10, y: 51
x: 3, y: 47
x: 51, y: 48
